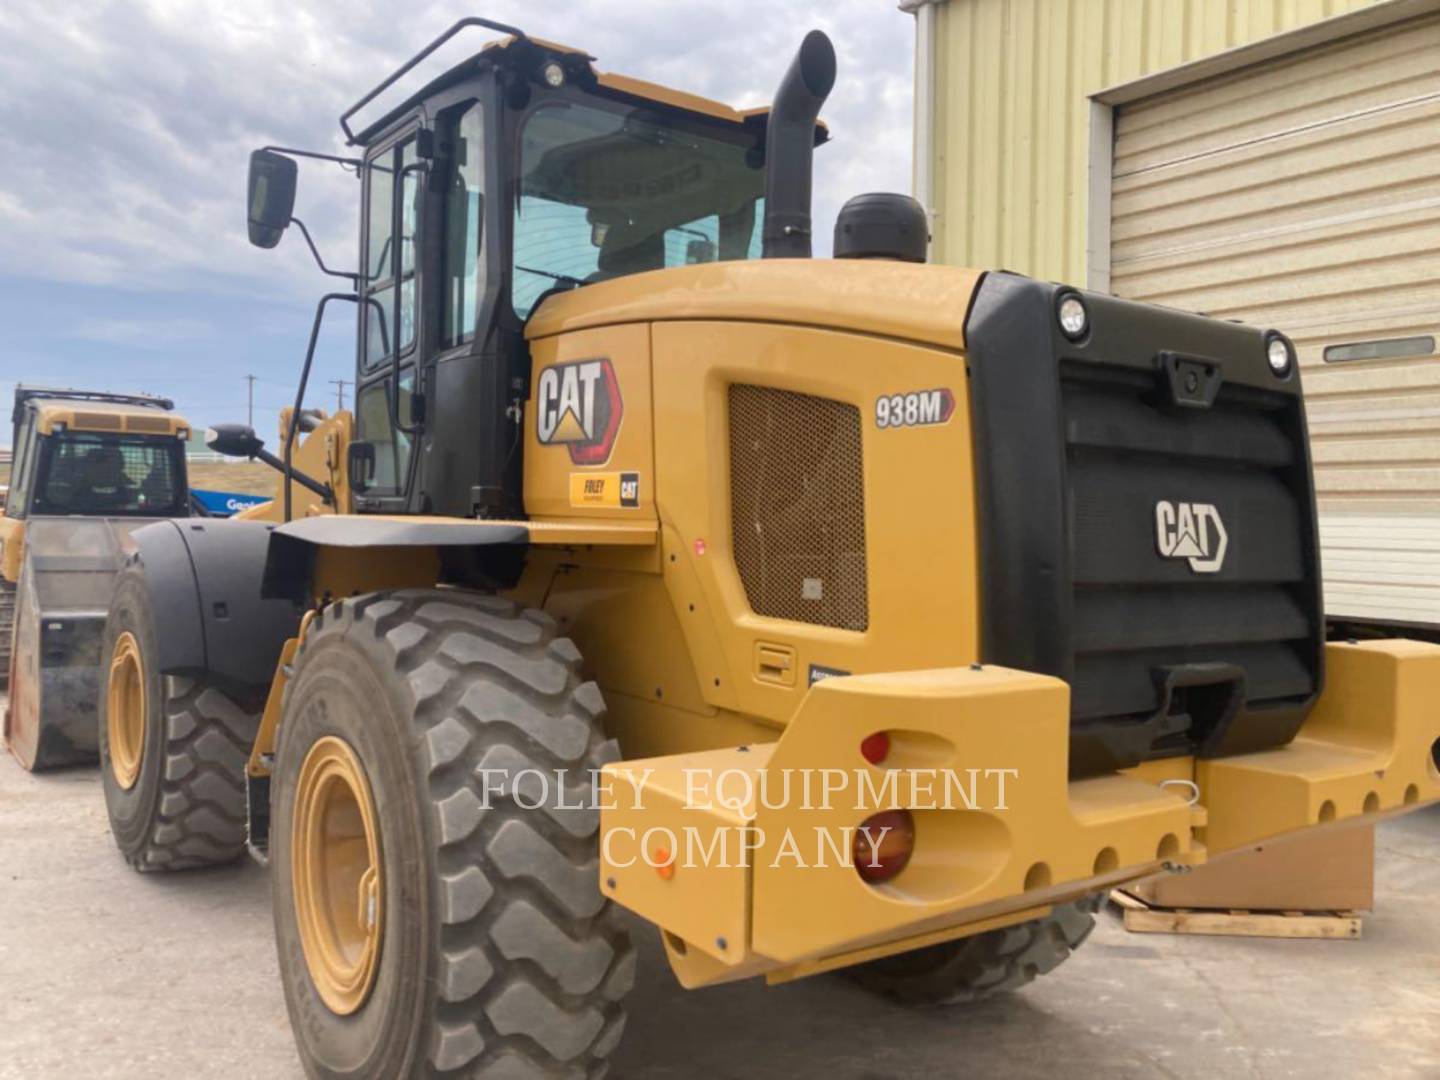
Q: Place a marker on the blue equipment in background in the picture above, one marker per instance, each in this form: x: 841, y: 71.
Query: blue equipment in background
x: 225, y: 503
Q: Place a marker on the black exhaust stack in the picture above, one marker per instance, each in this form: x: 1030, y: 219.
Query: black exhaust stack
x: 790, y: 148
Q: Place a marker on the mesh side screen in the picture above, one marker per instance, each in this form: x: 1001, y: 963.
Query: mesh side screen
x: 155, y: 425
x: 797, y: 502
x: 106, y: 421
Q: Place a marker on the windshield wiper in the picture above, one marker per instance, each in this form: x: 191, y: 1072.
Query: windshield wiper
x: 564, y: 279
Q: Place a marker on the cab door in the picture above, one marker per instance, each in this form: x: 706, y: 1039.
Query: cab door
x: 429, y: 444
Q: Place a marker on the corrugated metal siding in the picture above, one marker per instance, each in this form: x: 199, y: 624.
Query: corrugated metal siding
x: 1013, y: 78
x: 1304, y: 193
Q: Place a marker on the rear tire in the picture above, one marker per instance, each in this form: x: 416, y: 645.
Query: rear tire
x: 967, y: 970
x: 185, y: 806
x: 497, y: 954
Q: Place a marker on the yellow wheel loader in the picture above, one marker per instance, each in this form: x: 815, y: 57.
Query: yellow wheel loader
x: 848, y: 613
x: 89, y: 468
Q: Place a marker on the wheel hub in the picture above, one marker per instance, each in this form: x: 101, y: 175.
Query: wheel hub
x: 125, y: 710
x: 338, y: 880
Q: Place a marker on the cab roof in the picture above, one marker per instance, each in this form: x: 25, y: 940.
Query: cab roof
x: 640, y: 88
x: 530, y: 53
x: 114, y: 417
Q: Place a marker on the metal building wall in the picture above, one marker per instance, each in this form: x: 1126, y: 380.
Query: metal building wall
x: 1304, y: 193
x: 1012, y: 124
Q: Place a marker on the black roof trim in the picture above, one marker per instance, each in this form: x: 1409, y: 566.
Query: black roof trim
x: 50, y: 393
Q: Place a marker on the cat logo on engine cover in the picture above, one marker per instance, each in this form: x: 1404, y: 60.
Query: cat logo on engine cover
x: 578, y: 406
x: 1193, y: 532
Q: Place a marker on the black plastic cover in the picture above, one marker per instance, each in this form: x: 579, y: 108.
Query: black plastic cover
x: 1077, y: 445
x: 204, y: 579
x: 882, y: 225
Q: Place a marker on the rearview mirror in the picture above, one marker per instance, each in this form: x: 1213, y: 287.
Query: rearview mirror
x: 233, y: 440
x: 270, y: 196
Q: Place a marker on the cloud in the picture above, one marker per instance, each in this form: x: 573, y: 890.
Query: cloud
x: 128, y: 125
x: 139, y: 333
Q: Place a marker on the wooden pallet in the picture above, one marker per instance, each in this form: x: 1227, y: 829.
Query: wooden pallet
x: 1142, y: 918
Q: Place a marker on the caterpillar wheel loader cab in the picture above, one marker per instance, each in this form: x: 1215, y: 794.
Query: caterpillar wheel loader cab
x: 829, y: 614
x: 88, y: 469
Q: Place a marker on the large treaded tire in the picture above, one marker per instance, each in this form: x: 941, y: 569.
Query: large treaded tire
x: 186, y: 808
x: 7, y: 629
x: 508, y: 961
x: 964, y: 971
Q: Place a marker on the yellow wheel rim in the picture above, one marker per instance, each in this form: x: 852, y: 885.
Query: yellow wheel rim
x: 338, y: 881
x: 125, y: 710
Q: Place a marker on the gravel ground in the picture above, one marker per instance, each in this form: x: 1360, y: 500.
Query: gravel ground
x: 104, y: 972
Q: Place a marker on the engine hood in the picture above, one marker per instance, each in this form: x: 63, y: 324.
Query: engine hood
x: 921, y: 303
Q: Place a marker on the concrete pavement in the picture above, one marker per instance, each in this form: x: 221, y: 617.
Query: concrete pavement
x: 105, y: 972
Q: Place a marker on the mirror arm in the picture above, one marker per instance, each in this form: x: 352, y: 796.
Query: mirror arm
x: 291, y: 152
x: 305, y: 481
x: 285, y: 466
x: 318, y: 260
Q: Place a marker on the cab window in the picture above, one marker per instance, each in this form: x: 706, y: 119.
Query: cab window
x: 392, y: 447
x: 20, y: 468
x: 380, y: 245
x: 609, y: 191
x: 462, y: 149
x: 90, y: 473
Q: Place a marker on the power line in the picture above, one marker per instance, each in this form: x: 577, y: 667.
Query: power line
x: 340, y: 385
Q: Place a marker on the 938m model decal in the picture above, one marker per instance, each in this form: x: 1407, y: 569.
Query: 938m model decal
x: 915, y: 409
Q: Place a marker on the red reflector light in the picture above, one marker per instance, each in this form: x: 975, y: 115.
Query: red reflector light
x: 883, y: 845
x: 875, y: 748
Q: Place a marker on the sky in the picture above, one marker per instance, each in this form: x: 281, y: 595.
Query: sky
x: 124, y: 263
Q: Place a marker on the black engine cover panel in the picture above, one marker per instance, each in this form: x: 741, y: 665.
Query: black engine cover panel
x: 1146, y: 521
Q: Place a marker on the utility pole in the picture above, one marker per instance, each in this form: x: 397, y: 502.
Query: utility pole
x: 250, y: 402
x: 339, y: 385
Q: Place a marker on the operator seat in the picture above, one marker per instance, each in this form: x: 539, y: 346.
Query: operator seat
x: 105, y: 479
x: 156, y: 489
x: 627, y: 250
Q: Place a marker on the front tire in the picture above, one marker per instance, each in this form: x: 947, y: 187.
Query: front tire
x: 972, y: 968
x: 172, y: 750
x: 495, y: 952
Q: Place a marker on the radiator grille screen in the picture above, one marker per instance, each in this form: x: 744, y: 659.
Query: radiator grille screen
x: 798, y: 506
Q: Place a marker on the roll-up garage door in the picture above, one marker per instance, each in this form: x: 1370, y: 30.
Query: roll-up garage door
x: 1304, y: 194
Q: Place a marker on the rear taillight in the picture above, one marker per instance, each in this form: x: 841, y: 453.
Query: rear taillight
x: 883, y: 845
x: 875, y: 748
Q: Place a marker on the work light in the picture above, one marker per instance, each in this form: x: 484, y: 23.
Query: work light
x: 1280, y: 354
x: 1074, y: 319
